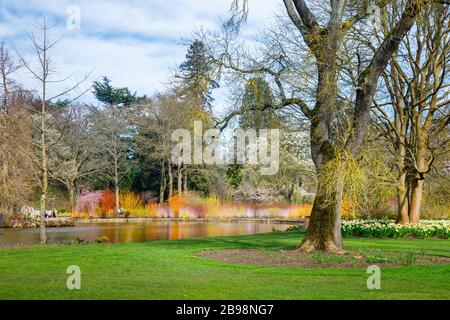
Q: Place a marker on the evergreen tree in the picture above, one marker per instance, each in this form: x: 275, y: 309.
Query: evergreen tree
x: 195, y: 74
x: 109, y: 95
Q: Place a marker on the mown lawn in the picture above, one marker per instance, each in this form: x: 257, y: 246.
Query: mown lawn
x: 168, y: 270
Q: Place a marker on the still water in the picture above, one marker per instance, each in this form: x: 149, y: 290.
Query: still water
x: 139, y: 232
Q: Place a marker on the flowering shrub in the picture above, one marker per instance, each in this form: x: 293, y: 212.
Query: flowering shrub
x: 89, y: 203
x: 132, y: 203
x: 175, y: 203
x: 107, y: 203
x: 389, y: 229
x: 151, y: 210
x: 101, y: 204
x: 300, y: 211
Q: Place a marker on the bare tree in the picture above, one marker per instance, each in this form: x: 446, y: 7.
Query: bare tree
x: 7, y: 68
x: 325, y: 32
x: 15, y: 170
x: 415, y: 112
x: 43, y: 71
x: 76, y: 156
x: 113, y: 133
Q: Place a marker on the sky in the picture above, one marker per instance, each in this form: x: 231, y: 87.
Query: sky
x: 135, y: 43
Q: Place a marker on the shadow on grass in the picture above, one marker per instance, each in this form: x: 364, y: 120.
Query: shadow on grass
x: 290, y: 240
x: 270, y: 241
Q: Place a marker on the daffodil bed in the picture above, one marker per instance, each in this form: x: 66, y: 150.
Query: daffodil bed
x: 389, y: 229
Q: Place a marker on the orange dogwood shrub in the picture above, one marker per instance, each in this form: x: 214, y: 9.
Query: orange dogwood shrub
x: 175, y: 203
x: 151, y: 210
x: 107, y: 203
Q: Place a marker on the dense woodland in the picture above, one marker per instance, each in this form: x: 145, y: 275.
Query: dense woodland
x: 363, y: 111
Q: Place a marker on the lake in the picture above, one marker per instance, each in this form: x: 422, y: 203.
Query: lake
x: 121, y: 232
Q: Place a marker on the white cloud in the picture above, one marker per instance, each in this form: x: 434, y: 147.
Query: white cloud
x: 132, y: 42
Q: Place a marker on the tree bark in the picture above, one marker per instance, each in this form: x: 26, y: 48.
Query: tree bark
x: 117, y: 198
x: 324, y: 232
x: 402, y: 190
x: 185, y: 179
x: 116, y: 185
x: 162, y: 183
x: 403, y: 202
x: 337, y: 232
x: 71, y: 194
x: 170, y: 172
x: 418, y: 179
x: 416, y: 201
x: 43, y: 233
x: 180, y: 180
x: 321, y: 231
x: 42, y: 225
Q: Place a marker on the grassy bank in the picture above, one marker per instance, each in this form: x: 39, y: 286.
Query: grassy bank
x: 168, y: 270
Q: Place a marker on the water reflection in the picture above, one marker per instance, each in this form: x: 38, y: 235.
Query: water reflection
x: 139, y: 232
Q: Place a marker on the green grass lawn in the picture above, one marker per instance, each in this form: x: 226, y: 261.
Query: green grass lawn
x: 168, y: 270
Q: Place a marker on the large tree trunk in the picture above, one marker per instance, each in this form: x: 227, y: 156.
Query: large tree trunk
x: 402, y: 198
x: 324, y: 232
x: 416, y: 201
x: 321, y: 231
x: 402, y: 190
x: 421, y: 168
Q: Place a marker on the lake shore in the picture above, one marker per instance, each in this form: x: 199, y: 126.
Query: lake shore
x: 224, y: 220
x: 71, y: 222
x: 33, y: 224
